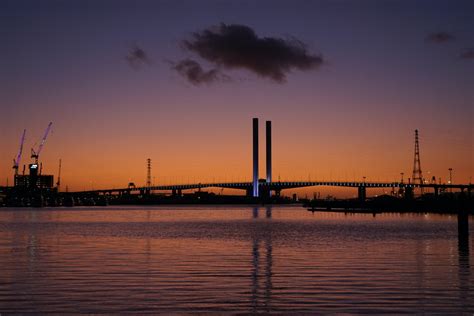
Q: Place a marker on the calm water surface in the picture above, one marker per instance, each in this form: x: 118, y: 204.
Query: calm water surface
x: 231, y: 259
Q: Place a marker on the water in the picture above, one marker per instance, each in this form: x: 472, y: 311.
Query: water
x: 231, y: 259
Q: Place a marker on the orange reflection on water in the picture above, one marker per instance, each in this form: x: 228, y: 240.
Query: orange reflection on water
x: 231, y: 259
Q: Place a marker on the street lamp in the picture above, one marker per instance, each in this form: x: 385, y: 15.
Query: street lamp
x: 450, y: 178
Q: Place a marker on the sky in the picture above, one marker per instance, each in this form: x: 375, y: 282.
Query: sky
x: 345, y: 84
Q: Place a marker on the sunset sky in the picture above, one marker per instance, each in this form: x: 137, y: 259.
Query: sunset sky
x: 345, y: 84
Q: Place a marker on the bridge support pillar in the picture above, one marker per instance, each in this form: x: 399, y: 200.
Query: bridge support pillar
x: 173, y: 192
x: 409, y: 194
x: 436, y: 191
x: 180, y: 192
x: 265, y: 192
x: 362, y: 194
x: 277, y: 193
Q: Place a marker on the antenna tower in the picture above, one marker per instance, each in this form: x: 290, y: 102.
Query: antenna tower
x: 148, y: 173
x: 417, y: 176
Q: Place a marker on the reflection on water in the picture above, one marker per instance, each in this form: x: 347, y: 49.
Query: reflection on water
x: 256, y: 249
x: 232, y: 259
x: 463, y: 255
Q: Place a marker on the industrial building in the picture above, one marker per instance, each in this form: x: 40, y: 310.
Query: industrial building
x: 34, y: 179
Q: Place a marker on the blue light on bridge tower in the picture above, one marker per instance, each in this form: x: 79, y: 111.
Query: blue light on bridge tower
x: 268, y: 133
x: 255, y: 157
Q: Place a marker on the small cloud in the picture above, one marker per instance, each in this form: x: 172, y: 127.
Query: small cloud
x: 195, y: 74
x: 137, y: 57
x: 236, y: 46
x: 440, y: 37
x: 467, y: 54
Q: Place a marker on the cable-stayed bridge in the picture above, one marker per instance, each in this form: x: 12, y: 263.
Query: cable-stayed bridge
x: 277, y: 187
x: 266, y: 187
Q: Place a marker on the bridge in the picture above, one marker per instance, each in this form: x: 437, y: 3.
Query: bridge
x: 267, y: 187
x: 264, y: 188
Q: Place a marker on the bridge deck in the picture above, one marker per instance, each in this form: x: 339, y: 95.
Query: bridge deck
x: 282, y: 185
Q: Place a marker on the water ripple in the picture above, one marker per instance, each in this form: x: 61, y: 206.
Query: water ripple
x: 231, y: 260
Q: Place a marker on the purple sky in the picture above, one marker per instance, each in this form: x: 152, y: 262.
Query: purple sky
x: 388, y: 67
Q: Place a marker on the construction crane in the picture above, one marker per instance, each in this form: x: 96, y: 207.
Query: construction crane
x: 35, y: 154
x: 58, y: 184
x: 16, y: 162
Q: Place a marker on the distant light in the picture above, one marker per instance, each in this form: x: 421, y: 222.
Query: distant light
x: 34, y: 166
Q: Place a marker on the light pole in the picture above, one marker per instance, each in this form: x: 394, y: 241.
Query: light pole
x: 450, y: 179
x: 400, y: 188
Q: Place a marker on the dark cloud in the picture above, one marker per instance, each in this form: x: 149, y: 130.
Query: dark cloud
x: 237, y: 46
x: 137, y: 57
x: 194, y: 73
x: 440, y: 37
x: 467, y: 54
